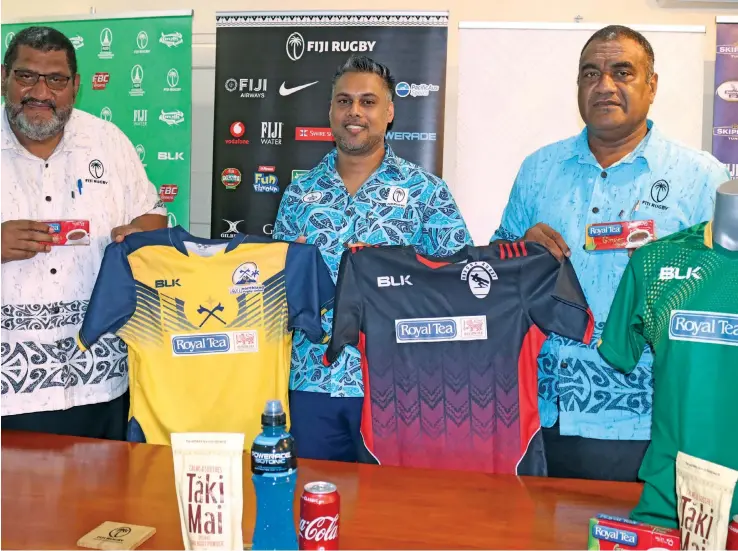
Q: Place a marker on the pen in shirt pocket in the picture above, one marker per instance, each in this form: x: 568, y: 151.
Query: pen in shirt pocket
x: 79, y: 188
x: 632, y: 211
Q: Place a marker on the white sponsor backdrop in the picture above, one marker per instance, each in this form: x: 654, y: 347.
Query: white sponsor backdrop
x: 517, y: 92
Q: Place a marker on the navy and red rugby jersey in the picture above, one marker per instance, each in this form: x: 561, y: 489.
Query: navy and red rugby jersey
x: 449, y: 350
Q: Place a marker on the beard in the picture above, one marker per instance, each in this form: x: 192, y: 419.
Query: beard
x: 346, y: 145
x: 37, y: 130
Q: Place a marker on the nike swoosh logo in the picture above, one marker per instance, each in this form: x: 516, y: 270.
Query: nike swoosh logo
x: 284, y: 91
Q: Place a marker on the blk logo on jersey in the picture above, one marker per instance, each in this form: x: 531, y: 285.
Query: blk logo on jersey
x: 164, y: 283
x: 479, y: 275
x: 704, y: 327
x: 669, y: 272
x: 391, y: 281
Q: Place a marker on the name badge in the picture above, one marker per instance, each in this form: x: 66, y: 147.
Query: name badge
x: 621, y: 235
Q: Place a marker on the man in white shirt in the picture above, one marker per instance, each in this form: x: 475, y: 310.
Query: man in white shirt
x: 59, y: 163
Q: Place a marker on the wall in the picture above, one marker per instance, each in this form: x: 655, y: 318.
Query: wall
x: 624, y: 11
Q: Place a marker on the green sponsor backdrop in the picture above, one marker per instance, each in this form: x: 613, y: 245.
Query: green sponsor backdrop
x: 136, y: 71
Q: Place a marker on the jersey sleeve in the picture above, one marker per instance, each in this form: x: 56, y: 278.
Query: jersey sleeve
x: 348, y: 309
x: 113, y: 299
x: 515, y: 219
x: 444, y: 229
x: 623, y: 341
x: 555, y: 300
x: 309, y: 288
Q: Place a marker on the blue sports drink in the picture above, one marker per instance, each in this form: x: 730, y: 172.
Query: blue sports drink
x: 274, y: 468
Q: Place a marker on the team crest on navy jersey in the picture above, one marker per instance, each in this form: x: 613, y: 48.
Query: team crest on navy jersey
x: 480, y: 276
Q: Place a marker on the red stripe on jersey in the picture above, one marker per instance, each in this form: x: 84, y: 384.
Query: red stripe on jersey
x: 509, y: 250
x: 590, y: 328
x: 367, y: 431
x: 530, y: 419
x: 522, y: 248
x: 502, y: 252
x: 430, y: 263
x: 515, y: 248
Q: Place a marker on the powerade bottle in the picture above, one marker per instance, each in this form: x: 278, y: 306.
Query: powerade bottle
x: 274, y: 468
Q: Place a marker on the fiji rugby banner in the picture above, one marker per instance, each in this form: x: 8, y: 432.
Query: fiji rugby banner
x: 273, y: 76
x: 136, y: 72
x: 725, y: 120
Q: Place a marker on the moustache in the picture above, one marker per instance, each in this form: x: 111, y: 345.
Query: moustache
x: 48, y: 103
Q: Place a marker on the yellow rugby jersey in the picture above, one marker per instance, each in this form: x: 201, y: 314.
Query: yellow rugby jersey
x: 208, y: 324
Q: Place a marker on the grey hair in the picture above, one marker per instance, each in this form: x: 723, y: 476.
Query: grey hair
x: 364, y: 64
x: 615, y: 32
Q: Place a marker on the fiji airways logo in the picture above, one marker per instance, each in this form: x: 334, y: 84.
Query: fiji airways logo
x: 667, y: 273
x: 704, y: 327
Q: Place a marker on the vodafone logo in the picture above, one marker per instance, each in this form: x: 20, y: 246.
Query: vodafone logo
x: 238, y: 129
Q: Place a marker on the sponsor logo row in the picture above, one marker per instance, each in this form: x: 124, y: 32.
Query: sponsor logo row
x: 141, y: 116
x: 170, y: 82
x: 260, y: 88
x: 142, y: 45
x: 272, y: 133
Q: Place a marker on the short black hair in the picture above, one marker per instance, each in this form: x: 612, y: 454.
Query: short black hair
x: 44, y: 39
x: 614, y: 32
x: 364, y: 64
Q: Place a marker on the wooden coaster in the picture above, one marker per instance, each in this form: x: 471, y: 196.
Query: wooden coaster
x: 116, y: 535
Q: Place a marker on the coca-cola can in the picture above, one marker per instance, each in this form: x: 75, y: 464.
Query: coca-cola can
x: 320, y: 506
x: 732, y: 542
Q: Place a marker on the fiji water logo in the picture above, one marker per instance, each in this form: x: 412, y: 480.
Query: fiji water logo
x: 623, y: 537
x: 704, y: 327
x: 189, y: 345
x: 605, y: 230
x: 438, y: 329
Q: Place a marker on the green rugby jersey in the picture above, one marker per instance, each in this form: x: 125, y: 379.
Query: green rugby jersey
x: 680, y: 296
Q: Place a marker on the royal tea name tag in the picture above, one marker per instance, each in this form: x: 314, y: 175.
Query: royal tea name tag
x: 610, y: 236
x: 116, y: 535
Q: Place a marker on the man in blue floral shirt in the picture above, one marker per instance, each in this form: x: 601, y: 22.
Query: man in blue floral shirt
x: 361, y: 192
x: 620, y: 167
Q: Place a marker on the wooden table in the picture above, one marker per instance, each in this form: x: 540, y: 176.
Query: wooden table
x: 55, y: 489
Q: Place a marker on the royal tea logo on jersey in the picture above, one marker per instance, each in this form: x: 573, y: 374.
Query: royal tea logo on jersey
x: 462, y: 328
x: 266, y: 183
x: 480, y: 276
x: 142, y: 42
x: 137, y: 76
x: 226, y: 342
x: 172, y: 81
x: 171, y: 40
x: 231, y: 178
x: 172, y: 118
x: 106, y: 43
x: 246, y: 279
x: 704, y: 327
x: 396, y: 196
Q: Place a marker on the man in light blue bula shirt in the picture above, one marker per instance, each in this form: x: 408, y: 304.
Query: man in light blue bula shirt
x: 361, y: 192
x: 619, y: 168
